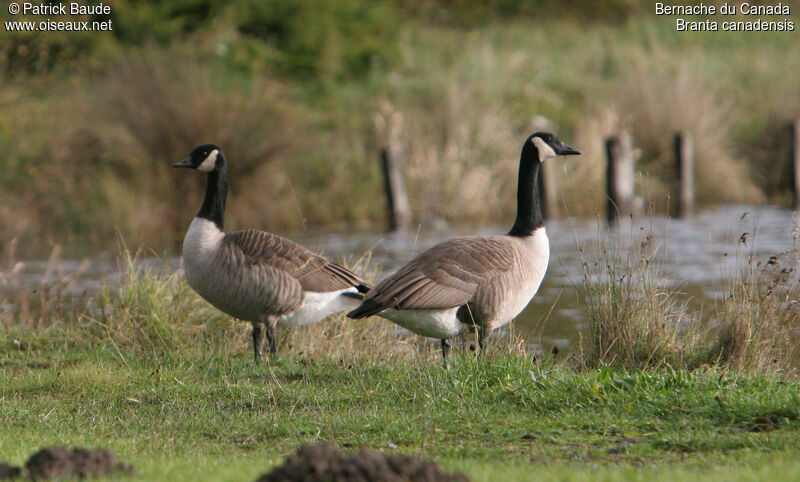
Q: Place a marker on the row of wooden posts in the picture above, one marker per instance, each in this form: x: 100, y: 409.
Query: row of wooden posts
x: 620, y: 180
x: 620, y: 172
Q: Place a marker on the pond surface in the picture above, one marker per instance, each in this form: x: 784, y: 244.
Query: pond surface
x: 695, y: 253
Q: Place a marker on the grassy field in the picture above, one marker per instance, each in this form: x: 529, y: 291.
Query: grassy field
x: 149, y: 370
x: 186, y: 414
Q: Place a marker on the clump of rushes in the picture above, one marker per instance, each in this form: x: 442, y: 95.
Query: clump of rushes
x: 758, y: 320
x: 636, y: 318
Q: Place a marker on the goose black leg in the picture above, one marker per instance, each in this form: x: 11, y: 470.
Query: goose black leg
x: 258, y: 340
x: 482, y: 336
x: 270, y: 332
x: 446, y: 345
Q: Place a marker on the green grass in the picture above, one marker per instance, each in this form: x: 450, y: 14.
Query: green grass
x: 191, y: 415
x: 150, y: 371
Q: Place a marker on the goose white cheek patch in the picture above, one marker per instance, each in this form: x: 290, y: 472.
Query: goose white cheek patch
x: 545, y: 151
x: 209, y: 162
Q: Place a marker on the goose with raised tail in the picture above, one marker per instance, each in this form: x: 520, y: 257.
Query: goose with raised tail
x: 474, y: 282
x: 258, y: 276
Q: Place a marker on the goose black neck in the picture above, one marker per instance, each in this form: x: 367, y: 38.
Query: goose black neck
x: 213, y: 207
x: 529, y: 212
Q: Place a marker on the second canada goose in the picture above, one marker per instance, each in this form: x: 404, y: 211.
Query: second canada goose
x: 257, y: 276
x: 474, y: 281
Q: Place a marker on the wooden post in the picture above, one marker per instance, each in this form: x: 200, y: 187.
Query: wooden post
x: 619, y: 176
x: 548, y: 173
x: 684, y: 169
x: 399, y: 209
x: 795, y: 153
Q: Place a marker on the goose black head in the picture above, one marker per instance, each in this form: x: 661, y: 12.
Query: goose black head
x: 205, y: 158
x: 547, y: 145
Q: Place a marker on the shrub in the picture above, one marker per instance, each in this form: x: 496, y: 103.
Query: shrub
x: 322, y: 40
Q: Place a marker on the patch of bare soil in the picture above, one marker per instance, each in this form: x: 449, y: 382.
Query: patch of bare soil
x: 323, y: 462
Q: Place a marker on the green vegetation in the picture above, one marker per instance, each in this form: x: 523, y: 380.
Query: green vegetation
x: 192, y: 414
x: 302, y: 96
x: 149, y: 370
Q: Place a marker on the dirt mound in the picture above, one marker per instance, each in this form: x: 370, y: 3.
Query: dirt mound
x: 9, y: 471
x: 322, y: 462
x: 55, y: 462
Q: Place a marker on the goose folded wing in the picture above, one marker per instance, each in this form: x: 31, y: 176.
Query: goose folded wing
x: 445, y: 276
x: 314, y: 272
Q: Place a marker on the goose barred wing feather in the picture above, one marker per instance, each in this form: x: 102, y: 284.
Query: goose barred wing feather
x: 445, y: 276
x: 312, y: 271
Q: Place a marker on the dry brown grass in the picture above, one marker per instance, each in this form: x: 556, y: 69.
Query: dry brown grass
x: 653, y: 102
x: 657, y: 103
x: 636, y: 318
x: 153, y: 314
x: 459, y: 152
x: 157, y: 106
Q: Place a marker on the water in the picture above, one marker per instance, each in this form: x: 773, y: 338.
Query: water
x: 696, y: 254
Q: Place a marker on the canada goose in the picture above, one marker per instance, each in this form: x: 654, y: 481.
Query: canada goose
x: 257, y: 276
x: 474, y: 281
